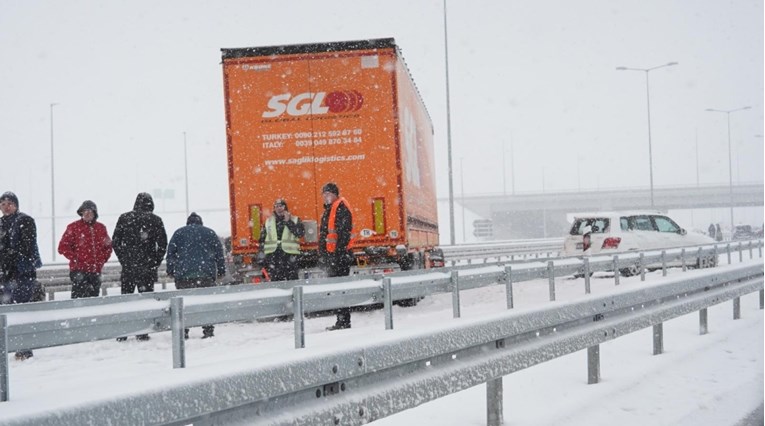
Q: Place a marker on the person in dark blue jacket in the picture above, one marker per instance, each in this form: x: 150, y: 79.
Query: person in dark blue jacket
x: 195, y: 259
x: 19, y: 258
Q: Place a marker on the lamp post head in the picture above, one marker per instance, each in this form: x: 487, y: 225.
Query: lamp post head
x: 671, y: 63
x: 621, y: 68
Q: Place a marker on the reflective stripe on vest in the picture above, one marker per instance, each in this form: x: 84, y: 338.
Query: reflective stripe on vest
x: 331, y: 231
x: 289, y: 242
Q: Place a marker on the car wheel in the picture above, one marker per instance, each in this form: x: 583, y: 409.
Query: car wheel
x: 706, y: 262
x: 630, y: 271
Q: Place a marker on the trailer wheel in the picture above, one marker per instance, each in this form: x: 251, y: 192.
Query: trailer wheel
x: 412, y: 261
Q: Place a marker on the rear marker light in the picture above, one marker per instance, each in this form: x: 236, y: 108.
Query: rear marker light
x: 611, y: 242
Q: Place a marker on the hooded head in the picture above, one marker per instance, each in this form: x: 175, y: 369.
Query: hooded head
x: 10, y: 196
x: 194, y: 219
x: 144, y: 203
x: 88, y: 205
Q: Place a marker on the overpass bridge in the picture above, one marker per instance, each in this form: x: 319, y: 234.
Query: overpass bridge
x: 535, y: 215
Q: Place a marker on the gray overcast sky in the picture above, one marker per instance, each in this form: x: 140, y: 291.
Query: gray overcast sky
x: 131, y: 76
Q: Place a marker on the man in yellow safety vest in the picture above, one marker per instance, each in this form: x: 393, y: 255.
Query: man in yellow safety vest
x: 280, y: 243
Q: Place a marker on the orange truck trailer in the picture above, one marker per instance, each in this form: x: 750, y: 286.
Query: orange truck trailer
x: 299, y: 116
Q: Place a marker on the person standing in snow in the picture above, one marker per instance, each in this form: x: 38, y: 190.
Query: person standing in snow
x: 711, y: 231
x: 195, y: 260
x: 87, y: 245
x: 280, y: 243
x: 718, y: 233
x: 19, y: 258
x: 140, y: 242
x: 335, y: 235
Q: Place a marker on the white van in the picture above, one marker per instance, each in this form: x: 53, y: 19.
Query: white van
x: 616, y: 232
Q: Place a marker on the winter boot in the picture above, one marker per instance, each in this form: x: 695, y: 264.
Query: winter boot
x: 122, y: 339
x: 142, y: 337
x: 23, y: 355
x: 186, y: 334
x: 208, y: 331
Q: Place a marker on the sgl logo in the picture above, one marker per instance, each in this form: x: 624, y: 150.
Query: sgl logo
x: 340, y: 101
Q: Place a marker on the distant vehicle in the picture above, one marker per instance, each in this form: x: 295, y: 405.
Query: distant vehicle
x: 743, y: 232
x: 616, y: 232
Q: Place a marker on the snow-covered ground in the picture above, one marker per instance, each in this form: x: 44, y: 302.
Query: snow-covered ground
x: 714, y: 379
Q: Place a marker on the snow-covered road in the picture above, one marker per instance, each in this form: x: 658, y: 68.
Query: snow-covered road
x: 714, y: 379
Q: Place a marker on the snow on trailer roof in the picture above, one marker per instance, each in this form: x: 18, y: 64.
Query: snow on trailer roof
x: 244, y: 52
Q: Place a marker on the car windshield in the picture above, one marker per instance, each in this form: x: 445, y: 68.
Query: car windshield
x: 598, y: 225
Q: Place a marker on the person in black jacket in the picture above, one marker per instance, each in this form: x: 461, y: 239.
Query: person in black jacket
x: 139, y: 241
x: 334, y: 242
x: 195, y: 259
x: 19, y: 258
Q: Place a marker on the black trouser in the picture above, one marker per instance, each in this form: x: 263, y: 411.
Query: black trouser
x: 339, y: 267
x: 183, y: 284
x: 282, y: 266
x: 85, y: 284
x: 144, y: 279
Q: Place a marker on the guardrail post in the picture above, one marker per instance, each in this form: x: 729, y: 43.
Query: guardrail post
x: 727, y: 248
x: 455, y: 280
x: 698, y: 259
x: 737, y: 308
x: 551, y: 279
x: 298, y: 316
x: 740, y: 253
x: 759, y: 248
x: 663, y: 263
x: 4, y: 386
x: 642, y: 266
x: 682, y: 259
x: 586, y: 276
x: 593, y: 364
x: 658, y: 339
x: 616, y: 270
x: 703, y: 325
x: 762, y: 299
x: 715, y: 256
x: 494, y: 416
x: 508, y: 278
x: 751, y: 253
x: 178, y: 332
x: 388, y: 303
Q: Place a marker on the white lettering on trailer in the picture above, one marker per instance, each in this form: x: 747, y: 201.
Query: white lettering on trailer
x: 299, y: 105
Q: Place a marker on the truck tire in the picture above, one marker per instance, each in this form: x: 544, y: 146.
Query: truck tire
x: 411, y: 261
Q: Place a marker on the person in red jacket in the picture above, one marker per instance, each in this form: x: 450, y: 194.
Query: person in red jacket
x: 87, y: 246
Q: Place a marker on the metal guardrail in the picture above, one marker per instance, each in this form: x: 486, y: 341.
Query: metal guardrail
x: 360, y: 383
x: 551, y: 247
x: 55, y: 323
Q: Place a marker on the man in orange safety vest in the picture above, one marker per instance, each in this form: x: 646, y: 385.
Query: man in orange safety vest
x: 335, y: 241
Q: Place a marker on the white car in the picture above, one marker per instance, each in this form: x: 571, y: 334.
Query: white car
x: 616, y: 232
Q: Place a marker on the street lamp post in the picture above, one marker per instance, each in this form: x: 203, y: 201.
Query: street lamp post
x: 186, y: 173
x: 727, y: 112
x: 462, y: 193
x: 449, y: 134
x: 648, y: 102
x: 52, y: 190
